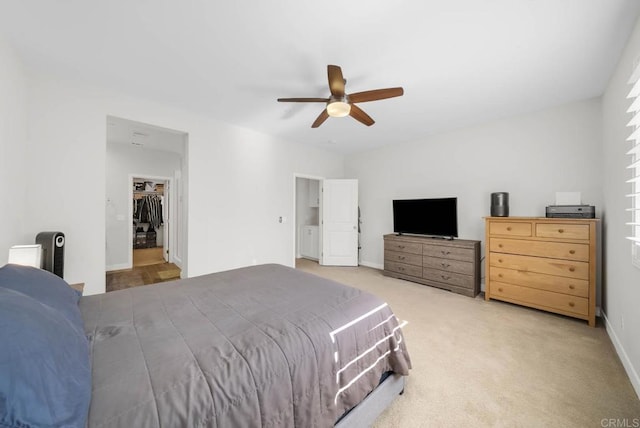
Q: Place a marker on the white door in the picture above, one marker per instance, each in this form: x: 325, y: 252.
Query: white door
x: 339, y: 223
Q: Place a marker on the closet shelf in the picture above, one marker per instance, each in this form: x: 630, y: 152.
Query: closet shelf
x: 139, y: 194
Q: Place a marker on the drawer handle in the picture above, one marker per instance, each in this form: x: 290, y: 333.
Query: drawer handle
x: 572, y: 304
x: 499, y: 275
x: 572, y: 251
x: 572, y: 269
x: 560, y: 230
x: 445, y: 277
x: 445, y: 252
x: 509, y: 229
x: 500, y: 289
x: 400, y: 268
x: 499, y: 260
x: 401, y: 257
x: 572, y: 287
x: 445, y: 265
x: 401, y: 247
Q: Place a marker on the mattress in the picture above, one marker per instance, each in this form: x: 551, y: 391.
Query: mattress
x: 258, y: 346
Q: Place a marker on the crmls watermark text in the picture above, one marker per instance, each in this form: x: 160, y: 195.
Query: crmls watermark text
x: 620, y: 423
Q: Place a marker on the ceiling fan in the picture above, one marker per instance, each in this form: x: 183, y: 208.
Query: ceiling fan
x: 341, y: 104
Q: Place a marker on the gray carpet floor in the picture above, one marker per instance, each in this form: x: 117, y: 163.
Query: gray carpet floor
x: 478, y: 363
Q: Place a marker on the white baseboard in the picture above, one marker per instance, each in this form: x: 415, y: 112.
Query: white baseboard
x: 177, y: 261
x: 372, y: 265
x: 120, y: 266
x: 628, y: 365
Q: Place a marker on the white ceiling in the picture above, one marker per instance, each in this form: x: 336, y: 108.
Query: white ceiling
x: 461, y: 62
x: 144, y: 136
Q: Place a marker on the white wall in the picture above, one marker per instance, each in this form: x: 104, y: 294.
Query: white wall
x: 121, y: 161
x: 530, y: 156
x: 621, y: 291
x: 239, y: 181
x: 13, y: 140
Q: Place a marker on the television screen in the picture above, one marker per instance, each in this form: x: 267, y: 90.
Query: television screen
x: 434, y: 217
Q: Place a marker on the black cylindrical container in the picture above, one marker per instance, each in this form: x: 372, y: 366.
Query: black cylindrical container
x: 500, y: 204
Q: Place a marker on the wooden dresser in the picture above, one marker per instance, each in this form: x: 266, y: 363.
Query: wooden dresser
x: 450, y: 264
x: 544, y: 263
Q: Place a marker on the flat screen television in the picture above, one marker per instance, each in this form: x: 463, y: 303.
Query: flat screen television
x: 434, y: 217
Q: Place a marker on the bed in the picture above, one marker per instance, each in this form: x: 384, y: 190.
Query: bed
x: 258, y: 346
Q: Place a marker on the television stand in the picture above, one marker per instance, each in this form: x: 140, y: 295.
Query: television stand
x: 451, y: 264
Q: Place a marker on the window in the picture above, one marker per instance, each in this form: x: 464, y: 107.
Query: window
x: 634, y: 167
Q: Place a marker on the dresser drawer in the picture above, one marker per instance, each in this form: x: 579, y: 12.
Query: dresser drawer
x: 566, y: 268
x: 402, y: 247
x: 559, y: 284
x: 448, y: 265
x: 541, y: 298
x: 448, y: 252
x: 510, y: 228
x: 562, y: 231
x: 403, y: 268
x: 444, y: 277
x: 556, y: 250
x: 408, y: 258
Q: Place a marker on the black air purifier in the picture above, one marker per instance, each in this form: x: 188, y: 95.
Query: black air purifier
x: 52, y: 251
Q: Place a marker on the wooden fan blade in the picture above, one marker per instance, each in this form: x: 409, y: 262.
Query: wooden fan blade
x: 303, y: 100
x: 376, y: 94
x: 360, y: 116
x: 336, y: 81
x: 323, y: 116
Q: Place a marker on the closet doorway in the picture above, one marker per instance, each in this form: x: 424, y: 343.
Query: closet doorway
x: 150, y: 202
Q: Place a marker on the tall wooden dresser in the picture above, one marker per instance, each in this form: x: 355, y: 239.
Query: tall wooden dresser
x: 453, y: 265
x: 543, y: 263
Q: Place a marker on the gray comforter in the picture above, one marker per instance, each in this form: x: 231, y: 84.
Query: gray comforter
x: 259, y: 346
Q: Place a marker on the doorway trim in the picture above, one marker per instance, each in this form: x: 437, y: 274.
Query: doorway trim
x: 294, y: 220
x: 170, y: 209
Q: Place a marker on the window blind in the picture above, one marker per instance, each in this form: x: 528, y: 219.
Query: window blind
x: 634, y: 166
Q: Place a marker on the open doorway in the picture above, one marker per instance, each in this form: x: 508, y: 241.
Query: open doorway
x: 146, y: 204
x: 307, y: 218
x: 150, y: 208
x: 327, y: 221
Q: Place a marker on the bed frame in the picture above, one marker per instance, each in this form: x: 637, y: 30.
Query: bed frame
x: 365, y: 413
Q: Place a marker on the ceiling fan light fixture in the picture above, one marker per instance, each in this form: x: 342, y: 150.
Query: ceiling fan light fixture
x: 338, y: 109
